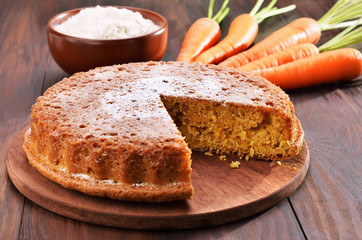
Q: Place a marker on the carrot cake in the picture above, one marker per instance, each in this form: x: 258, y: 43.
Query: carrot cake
x: 126, y: 131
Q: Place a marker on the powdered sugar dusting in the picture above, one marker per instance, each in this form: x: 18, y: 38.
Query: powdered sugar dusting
x: 125, y: 100
x: 81, y: 176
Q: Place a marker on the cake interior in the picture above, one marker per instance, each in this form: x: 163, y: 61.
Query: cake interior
x: 228, y: 129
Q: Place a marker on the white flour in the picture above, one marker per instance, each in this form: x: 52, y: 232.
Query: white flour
x: 106, y: 23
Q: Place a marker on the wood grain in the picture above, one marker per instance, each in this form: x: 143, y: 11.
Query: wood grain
x: 327, y: 204
x: 222, y: 194
x: 19, y: 87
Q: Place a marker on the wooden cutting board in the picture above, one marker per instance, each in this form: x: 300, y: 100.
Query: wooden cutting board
x: 222, y: 194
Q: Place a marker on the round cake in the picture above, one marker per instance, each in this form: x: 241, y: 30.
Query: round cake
x: 126, y: 131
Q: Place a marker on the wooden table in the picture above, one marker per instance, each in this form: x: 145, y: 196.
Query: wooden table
x: 326, y: 206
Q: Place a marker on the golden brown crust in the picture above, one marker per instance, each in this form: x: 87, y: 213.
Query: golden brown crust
x: 106, y: 188
x: 106, y: 132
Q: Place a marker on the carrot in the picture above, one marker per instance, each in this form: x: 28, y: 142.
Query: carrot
x: 291, y: 54
x: 208, y: 32
x: 330, y: 66
x: 238, y: 39
x: 242, y: 32
x: 203, y: 33
x: 345, y: 38
x: 302, y: 30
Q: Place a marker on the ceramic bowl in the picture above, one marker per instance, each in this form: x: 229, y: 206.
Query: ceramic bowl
x: 75, y: 54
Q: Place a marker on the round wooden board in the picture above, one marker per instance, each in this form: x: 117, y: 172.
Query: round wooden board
x: 221, y: 195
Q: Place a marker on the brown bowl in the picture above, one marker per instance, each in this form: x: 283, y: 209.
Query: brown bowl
x: 75, y: 54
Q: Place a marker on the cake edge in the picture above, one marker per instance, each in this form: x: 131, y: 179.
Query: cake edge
x: 120, y: 191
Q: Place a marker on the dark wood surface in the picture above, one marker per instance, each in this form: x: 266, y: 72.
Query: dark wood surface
x: 327, y: 205
x: 222, y: 194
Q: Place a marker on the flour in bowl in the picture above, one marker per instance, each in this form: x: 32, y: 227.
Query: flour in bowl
x: 106, y: 23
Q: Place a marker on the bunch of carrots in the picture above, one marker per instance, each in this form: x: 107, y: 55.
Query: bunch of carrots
x: 306, y: 65
x: 201, y: 43
x: 288, y: 57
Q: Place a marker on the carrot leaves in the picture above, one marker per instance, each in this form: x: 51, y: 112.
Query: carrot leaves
x: 343, y: 14
x: 344, y: 38
x: 268, y: 11
x: 221, y: 14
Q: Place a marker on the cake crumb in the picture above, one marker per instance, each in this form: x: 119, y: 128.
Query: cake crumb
x: 209, y: 154
x: 252, y: 151
x: 279, y: 163
x: 234, y: 164
x: 222, y: 157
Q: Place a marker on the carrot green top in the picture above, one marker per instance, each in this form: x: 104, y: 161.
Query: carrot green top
x: 345, y: 38
x: 268, y: 11
x: 343, y: 14
x: 221, y: 14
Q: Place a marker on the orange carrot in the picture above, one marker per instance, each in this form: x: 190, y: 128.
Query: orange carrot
x: 331, y: 66
x: 291, y: 54
x: 302, y: 30
x: 347, y: 37
x: 242, y: 32
x: 203, y: 33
